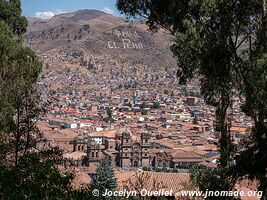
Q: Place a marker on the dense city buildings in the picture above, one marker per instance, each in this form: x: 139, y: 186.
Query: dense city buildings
x: 145, y: 121
x: 123, y: 100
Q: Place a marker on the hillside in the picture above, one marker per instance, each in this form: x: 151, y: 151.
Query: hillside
x: 88, y: 34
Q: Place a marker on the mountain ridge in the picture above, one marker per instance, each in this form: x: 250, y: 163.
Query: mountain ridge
x: 96, y: 33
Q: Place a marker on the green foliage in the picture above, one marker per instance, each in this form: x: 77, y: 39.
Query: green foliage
x: 34, y: 177
x: 90, y: 65
x: 167, y: 14
x: 11, y: 14
x: 207, y: 49
x: 19, y: 70
x: 144, y: 112
x: 129, y: 104
x: 175, y: 170
x: 159, y: 170
x: 166, y: 92
x: 164, y: 169
x: 104, y: 177
x: 23, y: 175
x: 207, y: 45
x: 252, y: 160
x: 147, y: 168
x: 110, y: 115
x: 83, y: 193
x: 143, y: 105
x: 195, y: 121
x: 156, y: 105
x: 205, y: 179
x: 255, y: 87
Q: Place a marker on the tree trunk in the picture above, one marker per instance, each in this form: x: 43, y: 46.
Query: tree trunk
x: 261, y: 131
x: 17, y: 136
x: 225, y: 137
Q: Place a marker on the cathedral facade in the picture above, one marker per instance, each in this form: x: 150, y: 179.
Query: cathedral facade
x: 124, y: 150
x: 133, y: 152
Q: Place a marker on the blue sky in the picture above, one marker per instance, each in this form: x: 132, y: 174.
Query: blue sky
x: 48, y: 8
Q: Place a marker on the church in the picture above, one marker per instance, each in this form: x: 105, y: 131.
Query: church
x: 124, y: 149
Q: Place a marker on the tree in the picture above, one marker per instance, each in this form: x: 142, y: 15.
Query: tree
x: 252, y: 160
x: 195, y: 121
x: 207, y: 180
x: 19, y: 106
x: 143, y: 105
x: 166, y: 14
x: 143, y: 180
x: 144, y: 112
x: 104, y: 179
x: 19, y: 69
x: 11, y: 15
x: 156, y: 105
x: 206, y: 44
x: 209, y: 48
x: 35, y: 177
x: 25, y: 172
x: 110, y: 115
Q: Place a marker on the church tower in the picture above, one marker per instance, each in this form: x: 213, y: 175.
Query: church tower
x: 125, y: 147
x: 145, y: 137
x: 93, y: 151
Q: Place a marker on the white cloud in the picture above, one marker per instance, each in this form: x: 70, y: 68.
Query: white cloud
x: 48, y: 14
x: 108, y: 10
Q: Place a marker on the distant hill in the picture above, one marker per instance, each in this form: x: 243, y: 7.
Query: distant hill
x: 97, y: 33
